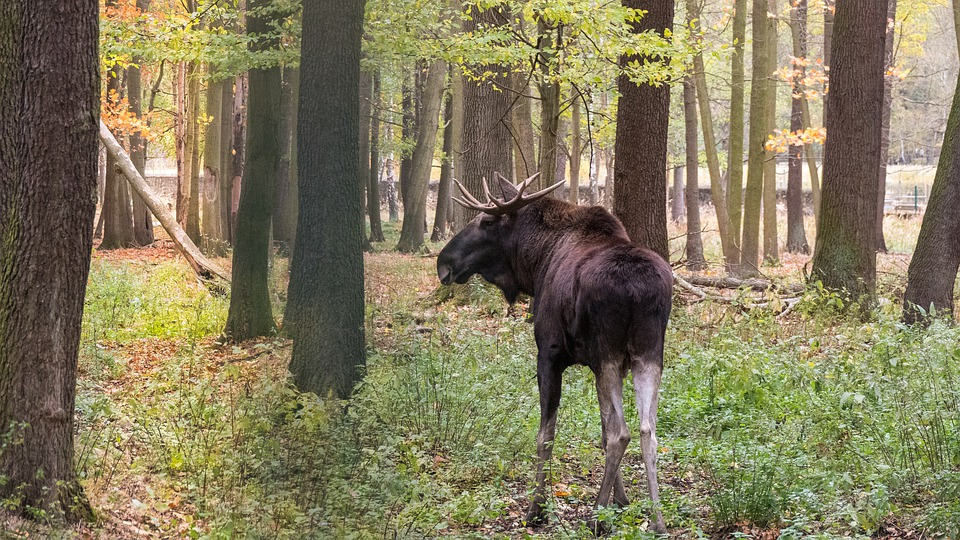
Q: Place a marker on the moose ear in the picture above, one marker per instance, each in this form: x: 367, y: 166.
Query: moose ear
x: 506, y: 187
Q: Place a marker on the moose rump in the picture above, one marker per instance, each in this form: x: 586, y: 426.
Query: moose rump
x: 598, y: 301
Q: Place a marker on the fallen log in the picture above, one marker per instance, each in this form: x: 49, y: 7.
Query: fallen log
x: 208, y: 271
x: 734, y: 283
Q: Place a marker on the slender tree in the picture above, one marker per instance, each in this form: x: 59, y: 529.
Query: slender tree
x: 796, y: 234
x: 116, y: 209
x: 250, y: 314
x: 442, y: 216
x: 576, y: 145
x: 888, y: 80
x: 283, y: 201
x: 771, y: 254
x: 759, y: 92
x: 212, y: 175
x: 326, y: 274
x: 415, y: 207
x: 642, y: 117
x: 735, y: 157
x: 48, y: 181
x: 373, y: 189
x: 845, y: 253
x: 695, y: 259
x: 366, y: 106
x: 142, y: 218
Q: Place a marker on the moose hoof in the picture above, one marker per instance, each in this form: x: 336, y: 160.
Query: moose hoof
x: 658, y: 527
x: 597, y: 527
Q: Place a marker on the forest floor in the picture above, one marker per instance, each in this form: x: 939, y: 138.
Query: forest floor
x: 772, y: 425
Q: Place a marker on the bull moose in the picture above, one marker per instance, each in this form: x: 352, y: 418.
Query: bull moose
x: 598, y: 300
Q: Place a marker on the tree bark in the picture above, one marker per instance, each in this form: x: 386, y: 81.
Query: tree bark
x: 796, y: 234
x: 641, y: 145
x: 525, y: 158
x: 415, y: 208
x: 441, y: 218
x: 48, y: 182
x: 771, y: 253
x: 250, y: 314
x: 212, y: 176
x: 408, y: 133
x: 283, y: 202
x: 888, y: 81
x: 366, y: 88
x: 142, y: 219
x: 193, y: 146
x: 734, y: 192
x: 239, y: 138
x: 226, y: 159
x: 549, y: 105
x: 932, y: 275
x: 845, y: 254
x: 753, y: 195
x: 694, y: 251
x: 729, y: 242
x: 677, y: 195
x: 486, y: 137
x: 373, y: 187
x: 118, y: 216
x: 576, y: 146
x: 326, y: 275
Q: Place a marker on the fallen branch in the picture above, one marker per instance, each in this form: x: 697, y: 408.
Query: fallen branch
x: 207, y: 270
x: 787, y: 304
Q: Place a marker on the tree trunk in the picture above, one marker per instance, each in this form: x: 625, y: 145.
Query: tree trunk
x: 200, y: 264
x: 212, y: 176
x: 456, y: 142
x: 250, y: 314
x: 326, y: 275
x: 180, y: 120
x: 694, y: 251
x: 193, y: 146
x: 283, y: 202
x: 415, y: 207
x: 677, y: 195
x: 118, y: 216
x: 486, y: 139
x: 408, y: 133
x: 753, y: 195
x: 366, y: 88
x: 796, y: 234
x: 771, y: 253
x: 576, y: 146
x: 142, y: 219
x: 799, y: 33
x: 441, y: 218
x: 734, y: 192
x: 641, y: 145
x: 932, y: 276
x: 50, y: 102
x: 885, y: 124
x: 226, y: 159
x: 845, y: 254
x: 373, y: 186
x: 239, y: 138
x: 729, y: 242
x: 525, y: 158
x: 549, y: 106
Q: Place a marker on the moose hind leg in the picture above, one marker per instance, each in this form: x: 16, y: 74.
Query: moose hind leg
x: 619, y: 492
x: 549, y: 382
x: 616, y: 434
x: 646, y: 381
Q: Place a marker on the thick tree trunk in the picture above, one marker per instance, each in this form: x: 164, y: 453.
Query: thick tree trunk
x: 326, y: 275
x: 212, y: 176
x: 250, y: 314
x: 415, y: 207
x: 753, y: 195
x: 373, y: 182
x: 796, y: 234
x: 885, y: 123
x: 694, y: 251
x: 771, y: 250
x: 486, y: 138
x: 641, y: 145
x: 734, y: 192
x: 932, y: 276
x: 48, y: 181
x: 283, y: 202
x: 441, y: 218
x: 845, y: 254
x: 576, y: 146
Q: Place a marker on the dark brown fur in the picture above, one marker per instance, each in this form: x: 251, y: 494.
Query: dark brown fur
x: 599, y: 301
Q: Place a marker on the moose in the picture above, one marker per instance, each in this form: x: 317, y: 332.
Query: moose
x: 598, y: 300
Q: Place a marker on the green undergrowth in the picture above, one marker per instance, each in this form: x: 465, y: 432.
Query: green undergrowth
x: 814, y: 424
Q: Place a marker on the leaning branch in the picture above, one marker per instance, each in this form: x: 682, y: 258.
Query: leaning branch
x: 206, y: 269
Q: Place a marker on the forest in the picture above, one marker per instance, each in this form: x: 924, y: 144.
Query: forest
x: 479, y: 269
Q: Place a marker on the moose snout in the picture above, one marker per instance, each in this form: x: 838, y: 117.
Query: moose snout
x: 445, y: 274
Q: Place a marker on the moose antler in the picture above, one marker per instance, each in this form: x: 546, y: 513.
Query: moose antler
x: 495, y: 207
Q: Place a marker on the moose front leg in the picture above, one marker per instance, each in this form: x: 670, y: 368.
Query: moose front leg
x: 549, y: 381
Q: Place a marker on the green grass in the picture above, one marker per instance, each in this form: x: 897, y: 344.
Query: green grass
x: 814, y: 425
